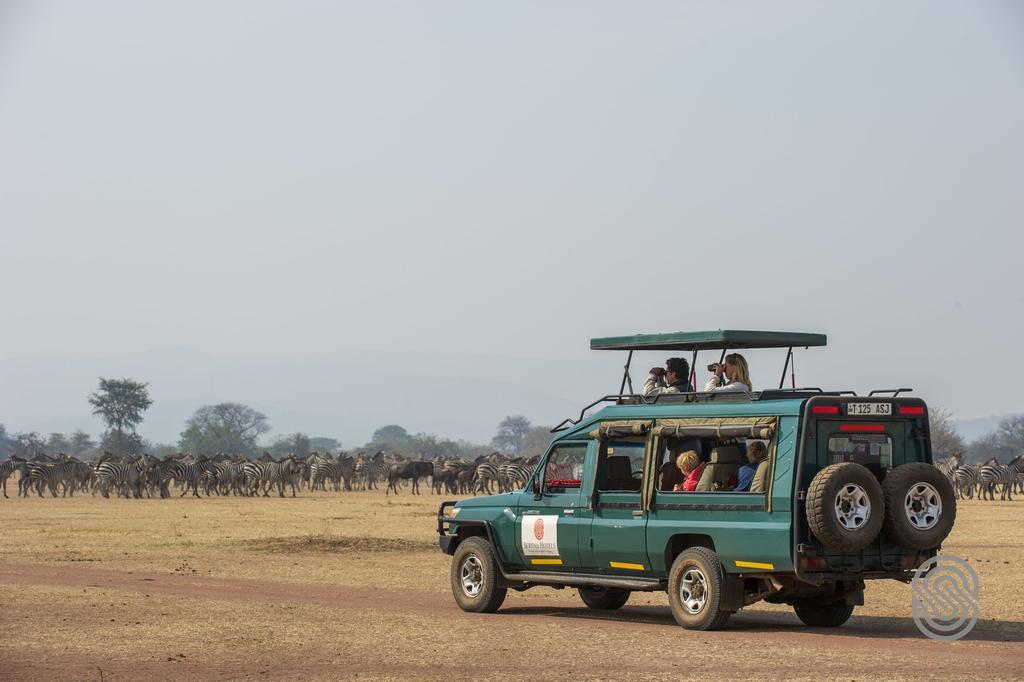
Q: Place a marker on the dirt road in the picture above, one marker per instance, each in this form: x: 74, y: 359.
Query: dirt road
x: 567, y: 640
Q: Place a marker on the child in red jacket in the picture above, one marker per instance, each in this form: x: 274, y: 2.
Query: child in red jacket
x: 690, y: 465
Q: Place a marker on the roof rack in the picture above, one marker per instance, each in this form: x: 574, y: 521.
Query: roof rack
x: 895, y: 391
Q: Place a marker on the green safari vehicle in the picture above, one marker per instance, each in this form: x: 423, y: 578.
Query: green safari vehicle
x: 846, y: 493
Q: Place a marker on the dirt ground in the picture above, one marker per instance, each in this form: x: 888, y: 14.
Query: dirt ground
x: 352, y: 585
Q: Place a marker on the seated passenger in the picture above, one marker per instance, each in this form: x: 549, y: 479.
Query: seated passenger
x: 756, y: 453
x: 691, y: 467
x: 674, y: 378
x: 737, y: 376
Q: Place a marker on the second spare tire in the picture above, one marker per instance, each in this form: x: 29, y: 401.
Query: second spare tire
x: 845, y: 507
x: 920, y: 506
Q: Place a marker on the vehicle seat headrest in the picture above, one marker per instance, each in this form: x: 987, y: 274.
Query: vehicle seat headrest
x: 726, y: 454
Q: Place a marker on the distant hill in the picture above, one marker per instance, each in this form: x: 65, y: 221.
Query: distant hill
x: 971, y: 429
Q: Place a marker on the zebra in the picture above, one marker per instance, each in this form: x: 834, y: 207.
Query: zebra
x: 370, y: 470
x: 322, y: 470
x: 949, y: 466
x: 187, y: 474
x: 965, y: 480
x: 1017, y: 464
x: 7, y: 469
x: 51, y: 474
x: 269, y: 474
x: 128, y: 476
x: 486, y: 474
x: 993, y: 474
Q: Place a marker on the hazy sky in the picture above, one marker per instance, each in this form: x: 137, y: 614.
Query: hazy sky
x: 254, y: 179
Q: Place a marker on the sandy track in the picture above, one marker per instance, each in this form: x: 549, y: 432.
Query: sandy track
x: 997, y: 650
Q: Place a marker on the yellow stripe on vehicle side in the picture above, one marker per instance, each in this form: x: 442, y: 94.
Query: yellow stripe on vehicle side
x: 546, y: 562
x: 632, y: 567
x: 754, y: 564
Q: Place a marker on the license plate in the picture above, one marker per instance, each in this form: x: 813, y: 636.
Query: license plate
x: 869, y: 409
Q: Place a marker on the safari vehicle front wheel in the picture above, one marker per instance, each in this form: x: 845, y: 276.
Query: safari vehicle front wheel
x: 474, y: 577
x: 603, y: 599
x: 695, y: 584
x: 820, y: 615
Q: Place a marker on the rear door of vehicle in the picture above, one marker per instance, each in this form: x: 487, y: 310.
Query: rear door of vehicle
x: 617, y: 534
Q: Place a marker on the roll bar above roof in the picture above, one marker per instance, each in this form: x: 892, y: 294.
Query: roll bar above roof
x: 720, y: 339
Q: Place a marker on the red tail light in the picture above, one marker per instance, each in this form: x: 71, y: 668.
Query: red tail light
x: 911, y: 410
x: 871, y: 428
x: 825, y: 409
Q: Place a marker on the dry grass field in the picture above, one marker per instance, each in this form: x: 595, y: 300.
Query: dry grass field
x: 352, y: 585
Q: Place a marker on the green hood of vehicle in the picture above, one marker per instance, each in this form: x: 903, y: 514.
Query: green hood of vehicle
x: 502, y: 500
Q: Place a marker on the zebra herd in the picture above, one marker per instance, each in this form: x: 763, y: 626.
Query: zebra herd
x: 985, y: 479
x: 143, y: 475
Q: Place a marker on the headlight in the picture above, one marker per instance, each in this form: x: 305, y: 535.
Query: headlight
x: 451, y: 512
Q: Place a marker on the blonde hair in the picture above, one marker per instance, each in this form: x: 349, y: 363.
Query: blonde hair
x: 741, y: 372
x: 756, y: 451
x: 688, y: 461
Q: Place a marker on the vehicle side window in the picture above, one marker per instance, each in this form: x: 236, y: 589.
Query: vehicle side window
x: 621, y: 467
x: 564, y: 468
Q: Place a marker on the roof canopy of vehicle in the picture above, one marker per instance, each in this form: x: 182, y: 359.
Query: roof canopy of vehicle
x: 710, y: 340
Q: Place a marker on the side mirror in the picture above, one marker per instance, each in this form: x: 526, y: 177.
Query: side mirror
x: 536, y: 488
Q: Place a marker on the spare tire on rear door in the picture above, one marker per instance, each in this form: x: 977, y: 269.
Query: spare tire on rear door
x: 920, y: 506
x: 845, y: 507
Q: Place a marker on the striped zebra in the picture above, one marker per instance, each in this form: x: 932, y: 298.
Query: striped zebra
x: 229, y: 477
x: 486, y: 474
x: 7, y: 469
x: 949, y: 466
x: 323, y: 470
x: 127, y: 476
x: 965, y: 481
x: 371, y: 470
x: 515, y: 474
x: 188, y: 475
x: 266, y: 475
x: 993, y: 474
x: 1017, y: 464
x: 52, y: 474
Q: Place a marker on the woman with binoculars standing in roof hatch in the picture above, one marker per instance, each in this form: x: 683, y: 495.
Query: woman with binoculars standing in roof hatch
x: 737, y: 375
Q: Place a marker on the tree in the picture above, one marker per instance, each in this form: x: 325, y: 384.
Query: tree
x: 536, y: 440
x: 121, y: 402
x: 324, y: 444
x: 27, y: 444
x: 1004, y: 442
x: 1010, y: 435
x: 232, y: 428
x: 945, y: 440
x: 510, y: 434
x: 6, y: 444
x: 293, y: 444
x: 58, y: 442
x: 80, y: 442
x: 392, y: 433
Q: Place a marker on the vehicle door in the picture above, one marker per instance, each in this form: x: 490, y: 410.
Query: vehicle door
x: 547, y: 529
x: 617, y: 534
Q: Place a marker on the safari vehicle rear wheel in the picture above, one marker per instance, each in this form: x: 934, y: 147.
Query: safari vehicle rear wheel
x: 845, y: 507
x: 695, y: 584
x: 920, y: 505
x: 819, y: 615
x: 604, y: 599
x: 474, y: 577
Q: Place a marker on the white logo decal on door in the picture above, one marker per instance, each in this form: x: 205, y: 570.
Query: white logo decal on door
x: 539, y: 535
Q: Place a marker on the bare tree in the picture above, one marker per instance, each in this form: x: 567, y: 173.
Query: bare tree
x: 945, y: 440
